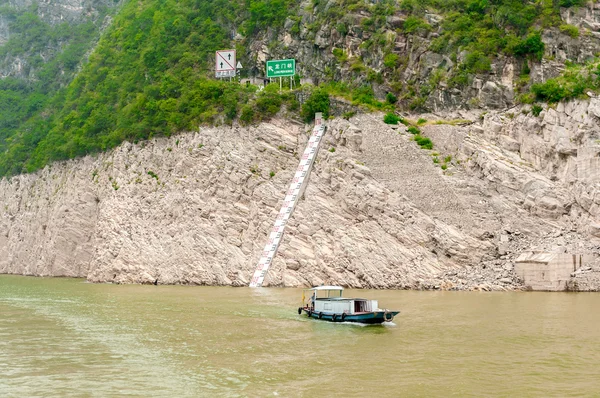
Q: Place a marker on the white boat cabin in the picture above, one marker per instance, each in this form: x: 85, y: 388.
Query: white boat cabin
x: 328, y: 299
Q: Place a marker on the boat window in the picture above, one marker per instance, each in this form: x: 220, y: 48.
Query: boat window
x: 329, y: 293
x: 362, y: 306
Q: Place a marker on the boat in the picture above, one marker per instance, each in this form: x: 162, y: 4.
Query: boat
x: 327, y: 303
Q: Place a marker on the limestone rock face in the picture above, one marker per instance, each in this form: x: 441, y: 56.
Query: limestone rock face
x: 196, y: 209
x: 377, y: 212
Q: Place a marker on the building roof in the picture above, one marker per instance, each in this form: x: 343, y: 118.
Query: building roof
x: 327, y: 288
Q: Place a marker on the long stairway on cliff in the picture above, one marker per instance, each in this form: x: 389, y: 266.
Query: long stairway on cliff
x: 290, y: 201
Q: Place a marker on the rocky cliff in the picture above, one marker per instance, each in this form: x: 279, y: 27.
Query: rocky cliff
x: 378, y: 211
x: 422, y: 75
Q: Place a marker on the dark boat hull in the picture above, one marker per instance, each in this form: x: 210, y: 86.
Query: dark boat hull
x: 369, y: 318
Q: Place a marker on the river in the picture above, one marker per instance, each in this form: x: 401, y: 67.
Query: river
x: 68, y: 338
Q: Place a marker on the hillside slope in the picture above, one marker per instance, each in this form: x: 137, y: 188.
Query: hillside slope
x: 151, y: 73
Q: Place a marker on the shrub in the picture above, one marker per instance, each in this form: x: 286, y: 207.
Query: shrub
x: 536, y: 110
x: 390, y: 118
x: 531, y: 45
x: 342, y: 28
x: 415, y: 24
x: 268, y: 104
x: 390, y: 60
x: 551, y: 91
x: 570, y: 30
x: 340, y: 55
x: 477, y: 62
x: 414, y: 130
x: 247, y: 115
x: 391, y: 98
x: 423, y: 142
x: 364, y: 95
x: 571, y: 3
x: 421, y: 121
x: 153, y: 175
x: 317, y: 102
x: 526, y: 98
x: 348, y: 115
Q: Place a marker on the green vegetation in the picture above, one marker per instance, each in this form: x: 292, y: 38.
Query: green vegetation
x: 423, y: 142
x: 150, y: 74
x: 391, y: 118
x: 571, y: 30
x: 153, y: 175
x: 390, y: 98
x: 414, y: 130
x: 574, y: 82
x: 30, y: 39
x: 317, y: 102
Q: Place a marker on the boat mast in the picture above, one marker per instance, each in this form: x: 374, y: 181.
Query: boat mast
x: 290, y: 201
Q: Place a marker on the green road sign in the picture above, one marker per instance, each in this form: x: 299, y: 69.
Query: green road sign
x: 280, y: 68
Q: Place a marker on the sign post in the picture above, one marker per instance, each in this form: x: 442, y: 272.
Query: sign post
x: 225, y: 63
x: 239, y: 70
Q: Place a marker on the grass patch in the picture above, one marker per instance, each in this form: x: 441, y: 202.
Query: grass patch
x: 391, y: 118
x: 424, y: 142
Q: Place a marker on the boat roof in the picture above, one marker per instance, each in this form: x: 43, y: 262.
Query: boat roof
x: 326, y: 288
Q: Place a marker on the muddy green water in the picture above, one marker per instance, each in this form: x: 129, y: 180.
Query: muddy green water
x: 68, y: 338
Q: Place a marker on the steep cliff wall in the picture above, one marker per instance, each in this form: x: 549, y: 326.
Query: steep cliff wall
x: 378, y: 212
x: 329, y: 44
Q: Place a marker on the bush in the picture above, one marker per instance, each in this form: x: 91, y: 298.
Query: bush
x: 247, y: 115
x: 423, y: 142
x: 390, y: 118
x: 536, y: 110
x: 414, y: 130
x: 477, y: 62
x: 415, y: 24
x: 532, y: 45
x: 268, y: 104
x: 340, y: 55
x: 391, y: 98
x: 317, y: 102
x: 570, y: 30
x: 550, y: 91
x: 390, y: 60
x: 571, y: 3
x: 421, y: 121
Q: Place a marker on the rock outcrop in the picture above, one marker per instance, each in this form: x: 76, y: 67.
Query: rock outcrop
x: 314, y: 40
